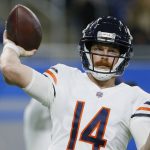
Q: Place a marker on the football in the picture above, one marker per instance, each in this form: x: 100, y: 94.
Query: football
x: 24, y: 28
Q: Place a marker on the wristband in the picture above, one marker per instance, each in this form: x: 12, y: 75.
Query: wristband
x: 13, y: 47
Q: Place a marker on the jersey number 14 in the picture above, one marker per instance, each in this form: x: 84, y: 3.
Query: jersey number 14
x: 98, y: 123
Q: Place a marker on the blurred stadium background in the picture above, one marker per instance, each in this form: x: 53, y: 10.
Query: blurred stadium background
x: 62, y: 23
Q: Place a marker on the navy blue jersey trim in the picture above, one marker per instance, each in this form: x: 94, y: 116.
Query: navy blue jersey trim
x: 45, y: 75
x: 54, y: 91
x: 53, y: 86
x: 148, y: 103
x: 54, y: 69
x: 140, y: 115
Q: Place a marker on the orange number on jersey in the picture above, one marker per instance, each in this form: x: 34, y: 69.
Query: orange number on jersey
x: 98, y: 124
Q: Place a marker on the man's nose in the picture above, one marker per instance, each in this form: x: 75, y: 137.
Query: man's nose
x: 105, y: 53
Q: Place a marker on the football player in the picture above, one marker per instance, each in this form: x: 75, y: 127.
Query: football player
x: 88, y: 111
x: 37, y: 126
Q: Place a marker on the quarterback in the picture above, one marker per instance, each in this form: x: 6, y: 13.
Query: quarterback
x: 88, y: 111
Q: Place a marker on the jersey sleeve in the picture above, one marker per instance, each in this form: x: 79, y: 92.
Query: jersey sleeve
x: 140, y: 118
x: 44, y: 87
x: 41, y: 88
x: 141, y: 104
x: 140, y: 129
x: 52, y: 74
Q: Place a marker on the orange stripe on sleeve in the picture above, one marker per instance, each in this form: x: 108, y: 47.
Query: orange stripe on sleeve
x: 144, y: 108
x: 52, y: 75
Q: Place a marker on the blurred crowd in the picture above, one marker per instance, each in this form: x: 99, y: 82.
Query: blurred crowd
x: 135, y: 13
x: 1, y: 31
x: 78, y: 13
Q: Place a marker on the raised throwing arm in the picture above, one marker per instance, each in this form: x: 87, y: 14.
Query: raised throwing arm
x: 33, y: 83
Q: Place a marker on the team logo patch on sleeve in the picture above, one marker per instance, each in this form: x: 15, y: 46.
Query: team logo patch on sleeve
x: 143, y: 111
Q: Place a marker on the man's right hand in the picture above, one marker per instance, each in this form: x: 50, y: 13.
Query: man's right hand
x: 21, y: 52
x: 13, y: 70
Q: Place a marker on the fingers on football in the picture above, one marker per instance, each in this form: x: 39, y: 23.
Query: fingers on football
x: 27, y: 53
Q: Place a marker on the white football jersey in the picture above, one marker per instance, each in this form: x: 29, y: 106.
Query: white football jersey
x: 85, y: 117
x: 37, y: 126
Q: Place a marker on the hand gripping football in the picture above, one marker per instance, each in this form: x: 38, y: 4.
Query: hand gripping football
x: 24, y: 28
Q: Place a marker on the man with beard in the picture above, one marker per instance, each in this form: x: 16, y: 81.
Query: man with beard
x: 88, y: 111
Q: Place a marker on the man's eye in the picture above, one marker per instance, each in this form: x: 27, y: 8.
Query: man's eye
x: 98, y: 49
x: 113, y: 52
x: 95, y: 49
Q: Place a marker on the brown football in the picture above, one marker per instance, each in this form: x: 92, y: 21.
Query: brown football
x: 24, y: 28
